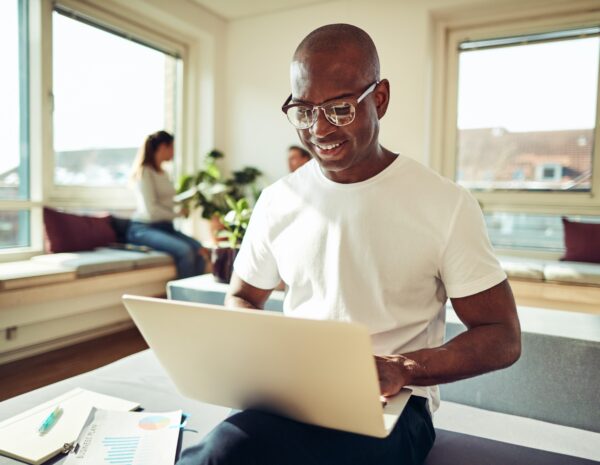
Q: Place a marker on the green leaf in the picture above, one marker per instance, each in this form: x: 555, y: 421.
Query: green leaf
x: 230, y: 202
x: 213, y: 171
x: 215, y: 154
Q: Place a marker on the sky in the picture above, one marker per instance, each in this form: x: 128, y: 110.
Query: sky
x: 108, y: 91
x: 537, y: 87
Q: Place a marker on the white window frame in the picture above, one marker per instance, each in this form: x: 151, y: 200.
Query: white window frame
x: 111, y: 196
x: 449, y: 33
x: 196, y: 108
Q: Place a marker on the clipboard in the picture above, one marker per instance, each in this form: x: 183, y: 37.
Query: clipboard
x: 19, y: 436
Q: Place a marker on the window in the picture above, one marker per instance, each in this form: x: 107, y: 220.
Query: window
x: 14, y: 228
x: 110, y: 92
x: 79, y: 98
x: 527, y: 104
x: 516, y: 119
x: 14, y: 130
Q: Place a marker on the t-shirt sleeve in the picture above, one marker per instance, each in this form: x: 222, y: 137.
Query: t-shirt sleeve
x: 255, y: 263
x: 468, y: 263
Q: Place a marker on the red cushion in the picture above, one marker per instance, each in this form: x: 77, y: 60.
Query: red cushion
x: 65, y: 232
x: 582, y: 241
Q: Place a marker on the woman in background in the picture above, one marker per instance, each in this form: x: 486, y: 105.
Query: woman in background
x: 152, y: 222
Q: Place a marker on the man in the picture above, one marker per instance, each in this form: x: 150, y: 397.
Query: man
x: 364, y: 234
x: 297, y: 156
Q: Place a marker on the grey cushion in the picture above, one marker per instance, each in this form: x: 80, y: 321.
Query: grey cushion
x: 141, y: 259
x: 90, y: 262
x: 573, y: 272
x: 462, y: 449
x: 541, y: 384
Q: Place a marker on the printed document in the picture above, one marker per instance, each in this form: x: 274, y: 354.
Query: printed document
x: 127, y: 438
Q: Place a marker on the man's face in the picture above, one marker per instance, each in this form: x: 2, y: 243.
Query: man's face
x: 296, y: 159
x: 342, y: 151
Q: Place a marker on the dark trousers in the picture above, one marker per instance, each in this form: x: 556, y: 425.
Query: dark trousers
x: 164, y: 237
x: 256, y: 438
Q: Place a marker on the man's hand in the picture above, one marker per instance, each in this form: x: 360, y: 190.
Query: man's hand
x: 394, y: 373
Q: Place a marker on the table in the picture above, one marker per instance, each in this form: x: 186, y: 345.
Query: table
x: 205, y: 289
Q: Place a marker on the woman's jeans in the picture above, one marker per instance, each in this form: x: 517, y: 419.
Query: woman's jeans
x: 163, y: 236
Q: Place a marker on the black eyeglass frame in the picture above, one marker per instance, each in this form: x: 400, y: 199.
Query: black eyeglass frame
x: 350, y: 100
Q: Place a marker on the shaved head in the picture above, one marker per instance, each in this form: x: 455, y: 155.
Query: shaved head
x: 337, y: 66
x: 344, y: 41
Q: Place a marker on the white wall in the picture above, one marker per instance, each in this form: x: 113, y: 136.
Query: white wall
x: 257, y: 81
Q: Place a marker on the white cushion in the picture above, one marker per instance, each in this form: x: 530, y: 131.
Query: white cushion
x: 519, y: 267
x: 576, y: 272
x: 26, y: 273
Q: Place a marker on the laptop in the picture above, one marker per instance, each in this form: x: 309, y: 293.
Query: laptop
x: 319, y: 372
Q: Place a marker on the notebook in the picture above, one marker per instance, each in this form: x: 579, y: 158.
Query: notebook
x: 314, y: 371
x: 19, y: 436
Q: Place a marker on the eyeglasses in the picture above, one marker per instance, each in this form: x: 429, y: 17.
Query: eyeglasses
x: 339, y: 112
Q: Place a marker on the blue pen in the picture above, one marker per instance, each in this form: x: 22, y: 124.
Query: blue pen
x: 50, y: 420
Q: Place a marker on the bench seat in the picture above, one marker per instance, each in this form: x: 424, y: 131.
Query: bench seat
x: 554, y: 284
x: 103, y: 260
x: 54, y: 300
x: 28, y: 273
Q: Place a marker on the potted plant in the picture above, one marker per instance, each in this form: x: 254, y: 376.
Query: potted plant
x: 235, y: 223
x: 208, y: 189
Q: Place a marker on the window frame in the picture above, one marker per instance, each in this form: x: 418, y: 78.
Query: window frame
x: 195, y: 117
x: 111, y: 196
x: 450, y: 32
x: 25, y: 202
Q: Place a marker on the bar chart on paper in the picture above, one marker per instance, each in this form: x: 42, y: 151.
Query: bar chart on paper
x: 127, y: 438
x: 121, y: 450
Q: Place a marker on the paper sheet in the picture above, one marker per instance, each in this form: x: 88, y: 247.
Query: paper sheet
x: 127, y: 438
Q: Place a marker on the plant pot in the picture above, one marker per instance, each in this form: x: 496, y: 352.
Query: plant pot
x: 222, y: 263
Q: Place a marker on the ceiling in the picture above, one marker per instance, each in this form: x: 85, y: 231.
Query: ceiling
x: 236, y: 9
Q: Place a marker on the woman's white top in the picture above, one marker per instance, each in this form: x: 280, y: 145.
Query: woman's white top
x: 154, y: 195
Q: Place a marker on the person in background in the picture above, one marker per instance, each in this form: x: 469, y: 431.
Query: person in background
x: 152, y: 221
x: 297, y: 156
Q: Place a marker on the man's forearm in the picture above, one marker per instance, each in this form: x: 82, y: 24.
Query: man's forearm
x: 474, y: 352
x: 479, y: 350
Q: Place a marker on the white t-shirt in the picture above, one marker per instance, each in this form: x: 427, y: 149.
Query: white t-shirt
x: 385, y: 252
x: 154, y: 195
